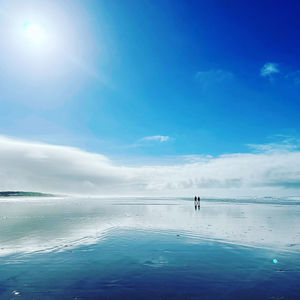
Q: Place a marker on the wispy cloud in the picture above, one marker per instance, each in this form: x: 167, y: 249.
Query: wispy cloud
x: 59, y: 169
x: 294, y: 76
x: 149, y: 141
x: 272, y: 147
x: 269, y: 69
x: 282, y: 143
x: 213, y: 77
x: 156, y: 138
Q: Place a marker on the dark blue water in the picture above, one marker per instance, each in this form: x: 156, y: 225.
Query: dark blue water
x: 148, y: 249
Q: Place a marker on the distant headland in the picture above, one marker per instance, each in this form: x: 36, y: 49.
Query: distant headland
x: 23, y: 194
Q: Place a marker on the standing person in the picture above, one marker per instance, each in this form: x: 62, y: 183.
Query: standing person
x: 198, y: 200
x: 195, y: 200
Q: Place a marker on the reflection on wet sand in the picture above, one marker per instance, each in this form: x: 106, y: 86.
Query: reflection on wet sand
x: 59, y: 224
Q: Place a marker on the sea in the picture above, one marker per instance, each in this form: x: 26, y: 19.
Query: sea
x: 149, y: 248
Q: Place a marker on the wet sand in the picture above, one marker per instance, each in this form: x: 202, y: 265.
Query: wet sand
x: 146, y: 248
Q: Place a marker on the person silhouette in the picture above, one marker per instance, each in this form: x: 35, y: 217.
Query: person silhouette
x: 198, y: 200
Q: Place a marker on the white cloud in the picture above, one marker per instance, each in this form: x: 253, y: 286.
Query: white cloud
x: 158, y: 138
x: 269, y: 69
x: 58, y: 169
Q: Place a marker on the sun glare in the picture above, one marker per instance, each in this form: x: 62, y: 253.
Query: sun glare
x: 34, y: 33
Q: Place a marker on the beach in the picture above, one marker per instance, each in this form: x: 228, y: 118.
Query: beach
x: 149, y: 248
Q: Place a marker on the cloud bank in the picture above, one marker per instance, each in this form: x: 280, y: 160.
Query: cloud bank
x: 41, y: 167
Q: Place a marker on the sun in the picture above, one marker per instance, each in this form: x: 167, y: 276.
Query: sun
x: 34, y: 33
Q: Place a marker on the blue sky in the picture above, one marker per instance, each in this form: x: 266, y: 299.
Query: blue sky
x: 190, y: 70
x: 146, y: 80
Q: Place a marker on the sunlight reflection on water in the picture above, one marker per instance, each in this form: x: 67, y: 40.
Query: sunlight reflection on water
x: 56, y: 224
x: 78, y: 248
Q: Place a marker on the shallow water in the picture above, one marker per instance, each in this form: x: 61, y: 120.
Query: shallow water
x: 142, y: 248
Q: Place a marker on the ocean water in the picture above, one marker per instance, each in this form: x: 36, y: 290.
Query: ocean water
x: 145, y: 248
